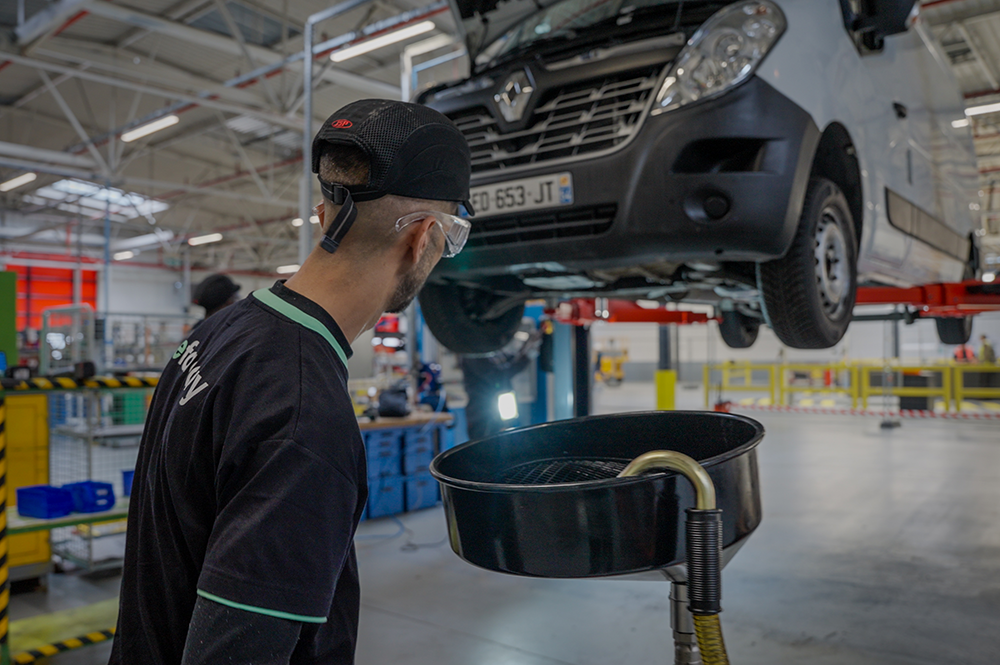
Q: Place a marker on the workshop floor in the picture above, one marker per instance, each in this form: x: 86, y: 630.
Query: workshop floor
x: 878, y: 547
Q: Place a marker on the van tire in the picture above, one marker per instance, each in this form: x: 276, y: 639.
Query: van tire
x: 454, y: 314
x: 738, y: 330
x: 808, y: 295
x: 954, y: 330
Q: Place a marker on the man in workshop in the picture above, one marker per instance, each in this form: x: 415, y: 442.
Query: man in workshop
x: 215, y: 293
x: 251, y: 476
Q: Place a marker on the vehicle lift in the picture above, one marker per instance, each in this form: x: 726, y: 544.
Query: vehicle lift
x: 957, y: 299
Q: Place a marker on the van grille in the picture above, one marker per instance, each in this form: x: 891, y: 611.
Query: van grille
x: 527, y: 227
x: 572, y: 120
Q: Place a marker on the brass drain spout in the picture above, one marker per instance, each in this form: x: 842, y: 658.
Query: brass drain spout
x: 681, y: 463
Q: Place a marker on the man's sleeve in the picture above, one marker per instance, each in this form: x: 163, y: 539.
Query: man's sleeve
x: 282, y: 534
x: 221, y: 634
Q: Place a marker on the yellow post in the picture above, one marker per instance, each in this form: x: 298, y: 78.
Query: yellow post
x: 772, y: 380
x: 4, y: 572
x: 666, y: 390
x: 959, y: 386
x: 707, y: 375
x: 855, y: 388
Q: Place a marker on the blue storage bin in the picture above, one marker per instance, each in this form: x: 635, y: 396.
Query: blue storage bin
x: 91, y: 496
x: 418, y: 438
x: 417, y: 460
x: 383, y: 449
x: 44, y: 501
x: 422, y: 491
x: 127, y: 476
x: 385, y: 497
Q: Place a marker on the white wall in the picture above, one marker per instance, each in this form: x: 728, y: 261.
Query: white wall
x: 135, y: 290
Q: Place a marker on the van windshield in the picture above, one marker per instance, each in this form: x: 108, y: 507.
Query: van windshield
x: 563, y: 20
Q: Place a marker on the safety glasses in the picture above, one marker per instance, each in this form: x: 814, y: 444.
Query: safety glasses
x: 455, y: 229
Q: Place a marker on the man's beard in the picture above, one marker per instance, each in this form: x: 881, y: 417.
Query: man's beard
x: 411, y: 283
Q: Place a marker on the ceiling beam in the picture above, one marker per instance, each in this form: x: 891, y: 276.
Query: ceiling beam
x: 48, y: 19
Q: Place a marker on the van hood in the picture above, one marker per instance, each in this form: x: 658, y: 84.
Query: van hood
x: 485, y: 20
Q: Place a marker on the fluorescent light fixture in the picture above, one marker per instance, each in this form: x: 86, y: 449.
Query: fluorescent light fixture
x: 204, y: 240
x: 297, y: 222
x: 958, y: 124
x: 378, y: 42
x: 507, y: 403
x: 648, y: 304
x: 985, y: 108
x: 124, y: 256
x: 989, y: 276
x: 314, y: 219
x: 14, y: 183
x: 149, y: 128
x: 287, y: 270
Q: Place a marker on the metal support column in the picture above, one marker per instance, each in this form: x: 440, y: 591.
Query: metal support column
x: 583, y: 376
x: 562, y: 380
x: 666, y: 375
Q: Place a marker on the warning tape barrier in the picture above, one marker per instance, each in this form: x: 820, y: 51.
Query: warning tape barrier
x: 64, y: 383
x: 880, y: 413
x: 33, y: 655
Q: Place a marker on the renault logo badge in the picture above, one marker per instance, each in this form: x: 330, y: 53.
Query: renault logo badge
x: 512, y: 100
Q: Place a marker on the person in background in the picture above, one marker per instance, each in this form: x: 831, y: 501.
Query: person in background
x: 215, y: 293
x: 965, y: 354
x: 986, y: 352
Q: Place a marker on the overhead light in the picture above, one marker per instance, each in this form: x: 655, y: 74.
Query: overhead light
x: 204, y: 240
x: 287, y: 270
x: 989, y: 276
x: 958, y: 124
x: 314, y: 219
x: 14, y: 183
x: 648, y: 304
x: 150, y: 127
x: 985, y: 108
x: 384, y: 40
x: 297, y: 222
x: 124, y: 256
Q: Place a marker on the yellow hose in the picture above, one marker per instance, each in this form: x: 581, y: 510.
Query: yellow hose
x: 707, y: 628
x: 709, y: 633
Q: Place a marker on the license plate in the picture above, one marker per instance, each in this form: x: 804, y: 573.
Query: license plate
x: 546, y: 191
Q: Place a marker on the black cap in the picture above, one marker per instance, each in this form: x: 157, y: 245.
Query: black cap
x: 214, y: 291
x: 414, y: 151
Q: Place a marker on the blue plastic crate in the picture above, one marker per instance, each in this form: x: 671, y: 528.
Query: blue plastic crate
x: 418, y: 439
x: 91, y: 496
x: 383, y: 443
x: 422, y: 491
x: 385, y: 497
x: 44, y: 501
x: 417, y: 460
x: 127, y: 476
x: 384, y: 466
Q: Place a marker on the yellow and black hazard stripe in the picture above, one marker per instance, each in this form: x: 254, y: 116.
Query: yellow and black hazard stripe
x: 33, y: 655
x: 4, y: 570
x: 63, y: 383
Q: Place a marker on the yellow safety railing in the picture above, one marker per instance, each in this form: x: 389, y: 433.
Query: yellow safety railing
x: 832, y: 379
x: 895, y: 374
x: 950, y: 381
x: 991, y: 372
x: 740, y: 377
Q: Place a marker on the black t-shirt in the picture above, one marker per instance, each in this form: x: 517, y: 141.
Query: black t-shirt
x: 250, y: 484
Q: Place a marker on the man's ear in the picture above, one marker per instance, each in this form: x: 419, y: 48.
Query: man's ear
x: 419, y: 238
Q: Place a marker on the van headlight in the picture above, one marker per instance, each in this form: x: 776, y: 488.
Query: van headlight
x: 723, y: 53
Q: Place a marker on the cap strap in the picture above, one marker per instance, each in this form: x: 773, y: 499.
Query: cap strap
x: 342, y: 223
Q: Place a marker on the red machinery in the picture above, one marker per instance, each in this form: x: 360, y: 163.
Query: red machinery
x: 930, y: 300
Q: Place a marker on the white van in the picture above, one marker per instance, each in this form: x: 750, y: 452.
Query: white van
x: 763, y: 156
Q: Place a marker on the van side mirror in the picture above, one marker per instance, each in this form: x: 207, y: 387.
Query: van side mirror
x: 877, y: 19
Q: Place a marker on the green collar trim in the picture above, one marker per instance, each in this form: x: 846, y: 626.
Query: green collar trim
x: 268, y: 298
x: 261, y: 610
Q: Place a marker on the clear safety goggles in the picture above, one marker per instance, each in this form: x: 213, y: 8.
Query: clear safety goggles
x: 455, y: 229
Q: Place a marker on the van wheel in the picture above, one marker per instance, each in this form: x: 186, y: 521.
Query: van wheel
x: 809, y: 294
x: 738, y: 330
x: 954, y: 330
x: 461, y: 319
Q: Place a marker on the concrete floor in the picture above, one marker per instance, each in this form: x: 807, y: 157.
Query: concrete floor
x: 878, y: 547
